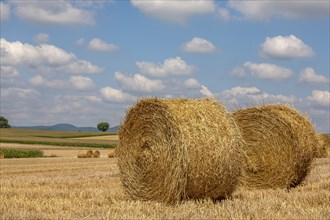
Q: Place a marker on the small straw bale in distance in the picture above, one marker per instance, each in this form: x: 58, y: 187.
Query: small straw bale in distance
x: 280, y: 145
x: 323, y: 148
x: 85, y: 154
x: 111, y: 153
x: 2, y: 155
x: 174, y: 149
x: 96, y: 154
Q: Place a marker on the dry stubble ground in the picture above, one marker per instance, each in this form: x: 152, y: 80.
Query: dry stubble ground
x: 72, y: 188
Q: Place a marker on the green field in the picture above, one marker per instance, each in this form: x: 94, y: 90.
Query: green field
x: 57, y: 138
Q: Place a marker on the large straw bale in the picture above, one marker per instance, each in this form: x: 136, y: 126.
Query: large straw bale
x: 323, y: 148
x: 96, y: 154
x: 175, y: 149
x: 85, y: 154
x: 2, y: 155
x: 280, y: 145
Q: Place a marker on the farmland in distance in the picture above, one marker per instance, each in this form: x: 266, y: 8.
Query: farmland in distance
x: 59, y: 138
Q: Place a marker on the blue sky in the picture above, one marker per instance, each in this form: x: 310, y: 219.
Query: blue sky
x: 83, y: 62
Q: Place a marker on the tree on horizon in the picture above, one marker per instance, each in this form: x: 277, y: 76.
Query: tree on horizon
x: 4, y: 122
x: 103, y: 126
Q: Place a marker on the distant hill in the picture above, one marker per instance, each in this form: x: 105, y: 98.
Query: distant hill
x: 114, y: 129
x: 64, y: 127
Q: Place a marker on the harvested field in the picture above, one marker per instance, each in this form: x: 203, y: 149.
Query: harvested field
x: 70, y: 188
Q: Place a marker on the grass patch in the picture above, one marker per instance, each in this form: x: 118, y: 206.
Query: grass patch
x: 22, y: 153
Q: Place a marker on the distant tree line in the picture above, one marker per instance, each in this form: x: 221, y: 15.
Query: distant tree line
x: 4, y: 122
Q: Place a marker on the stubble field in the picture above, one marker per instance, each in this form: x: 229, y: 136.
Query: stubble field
x: 72, y: 188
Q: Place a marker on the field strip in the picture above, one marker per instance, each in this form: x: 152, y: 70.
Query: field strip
x: 105, y: 138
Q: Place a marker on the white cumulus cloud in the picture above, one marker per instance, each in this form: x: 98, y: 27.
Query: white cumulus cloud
x: 192, y: 84
x: 238, y: 71
x: 41, y: 38
x: 53, y: 12
x: 5, y: 11
x: 170, y: 67
x: 235, y: 91
x: 19, y: 92
x: 206, y: 92
x: 175, y: 11
x: 224, y: 14
x: 99, y: 45
x: 264, y: 10
x: 82, y: 82
x: 286, y: 47
x: 246, y: 96
x: 115, y: 95
x: 268, y: 71
x: 138, y: 83
x: 320, y: 97
x: 308, y: 75
x: 9, y: 72
x: 80, y: 41
x: 41, y: 81
x: 198, y: 45
x: 43, y: 58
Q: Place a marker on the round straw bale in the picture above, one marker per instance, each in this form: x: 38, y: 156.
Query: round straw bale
x: 96, y: 154
x: 280, y: 145
x: 175, y: 149
x: 85, y: 154
x: 2, y: 155
x: 111, y: 153
x: 89, y: 154
x: 323, y: 148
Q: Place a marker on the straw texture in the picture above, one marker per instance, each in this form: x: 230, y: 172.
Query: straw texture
x: 2, y: 155
x: 175, y: 149
x: 280, y: 145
